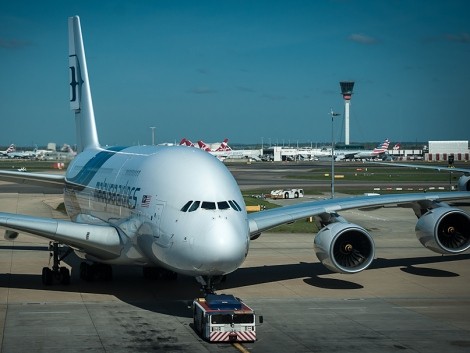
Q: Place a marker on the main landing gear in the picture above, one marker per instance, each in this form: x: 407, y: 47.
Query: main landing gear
x: 56, y: 273
x: 61, y: 274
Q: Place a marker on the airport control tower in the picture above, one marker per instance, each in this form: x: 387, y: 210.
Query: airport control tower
x: 346, y: 91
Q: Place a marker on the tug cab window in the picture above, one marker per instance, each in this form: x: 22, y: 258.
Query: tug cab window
x: 221, y: 319
x: 243, y: 318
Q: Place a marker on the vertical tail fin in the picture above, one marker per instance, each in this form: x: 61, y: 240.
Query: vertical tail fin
x: 186, y: 142
x: 12, y: 148
x: 203, y: 146
x: 383, y: 147
x: 80, y: 94
x: 224, y: 146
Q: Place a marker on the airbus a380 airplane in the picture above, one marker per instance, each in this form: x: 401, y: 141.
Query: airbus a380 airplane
x: 136, y: 205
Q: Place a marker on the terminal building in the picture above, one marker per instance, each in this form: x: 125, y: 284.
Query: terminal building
x: 441, y: 150
x: 435, y: 151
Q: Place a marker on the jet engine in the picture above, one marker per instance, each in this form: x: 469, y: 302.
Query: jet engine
x: 344, y: 247
x: 445, y: 230
x: 464, y: 183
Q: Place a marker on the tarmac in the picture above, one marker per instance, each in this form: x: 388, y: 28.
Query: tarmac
x: 410, y: 300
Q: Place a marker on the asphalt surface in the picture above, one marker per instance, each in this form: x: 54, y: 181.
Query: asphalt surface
x: 296, y: 175
x: 411, y: 299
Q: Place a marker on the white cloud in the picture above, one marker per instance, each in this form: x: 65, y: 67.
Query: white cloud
x: 460, y: 37
x: 13, y: 43
x: 202, y: 90
x: 362, y: 38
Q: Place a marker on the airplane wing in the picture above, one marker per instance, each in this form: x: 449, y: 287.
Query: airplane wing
x: 350, y: 155
x: 42, y: 179
x: 432, y: 167
x: 264, y: 220
x: 102, y: 241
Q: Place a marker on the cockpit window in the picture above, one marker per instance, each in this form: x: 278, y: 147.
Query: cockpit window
x: 207, y: 205
x: 186, y: 206
x: 235, y: 202
x: 222, y: 205
x: 194, y: 206
x: 191, y: 206
x: 235, y: 205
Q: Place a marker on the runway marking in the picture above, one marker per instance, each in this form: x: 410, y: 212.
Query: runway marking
x: 240, y: 347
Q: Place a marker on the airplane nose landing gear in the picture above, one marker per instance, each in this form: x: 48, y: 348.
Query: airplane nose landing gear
x: 207, y: 282
x: 57, y: 273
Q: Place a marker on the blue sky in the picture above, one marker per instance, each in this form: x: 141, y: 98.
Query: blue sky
x: 245, y: 70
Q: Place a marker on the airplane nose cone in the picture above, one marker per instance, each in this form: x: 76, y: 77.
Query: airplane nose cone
x: 222, y: 248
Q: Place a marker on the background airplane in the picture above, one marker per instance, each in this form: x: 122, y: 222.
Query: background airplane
x: 178, y: 210
x: 221, y: 152
x: 203, y: 146
x: 10, y: 149
x: 186, y: 142
x: 223, y: 146
x: 22, y: 154
x: 368, y: 154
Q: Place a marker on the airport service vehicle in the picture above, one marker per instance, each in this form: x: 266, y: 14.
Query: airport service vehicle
x: 287, y: 194
x: 224, y: 318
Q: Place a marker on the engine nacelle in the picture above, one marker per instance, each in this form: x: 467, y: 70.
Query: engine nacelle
x: 464, y: 183
x: 445, y: 230
x: 344, y: 247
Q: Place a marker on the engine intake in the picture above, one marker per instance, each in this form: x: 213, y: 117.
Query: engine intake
x: 344, y: 247
x: 445, y: 230
x: 464, y: 183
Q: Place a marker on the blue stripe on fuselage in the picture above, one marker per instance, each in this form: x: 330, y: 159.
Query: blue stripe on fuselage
x: 86, y: 174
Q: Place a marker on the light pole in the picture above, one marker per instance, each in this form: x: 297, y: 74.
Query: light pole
x: 153, y: 135
x: 333, y: 114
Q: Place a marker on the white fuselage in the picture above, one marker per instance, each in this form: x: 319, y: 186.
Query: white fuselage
x: 142, y: 190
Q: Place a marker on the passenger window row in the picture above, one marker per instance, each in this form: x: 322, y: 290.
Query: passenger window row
x: 191, y: 206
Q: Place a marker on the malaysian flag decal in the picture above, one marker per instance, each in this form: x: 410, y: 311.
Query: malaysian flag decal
x: 146, y: 200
